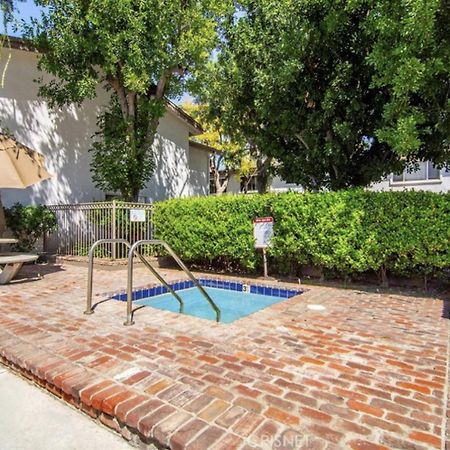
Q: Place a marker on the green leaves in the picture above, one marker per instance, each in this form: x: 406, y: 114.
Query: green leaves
x: 410, y: 42
x: 29, y: 223
x: 135, y: 41
x: 142, y: 51
x: 346, y: 232
x: 121, y: 164
x: 341, y: 93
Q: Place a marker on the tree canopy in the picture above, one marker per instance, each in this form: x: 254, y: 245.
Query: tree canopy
x: 231, y: 156
x: 141, y: 51
x: 340, y: 92
x: 235, y: 157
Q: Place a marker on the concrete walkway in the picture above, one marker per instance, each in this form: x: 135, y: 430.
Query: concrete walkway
x: 32, y: 419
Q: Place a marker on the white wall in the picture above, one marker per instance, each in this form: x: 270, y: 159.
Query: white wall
x: 64, y: 138
x: 277, y: 185
x: 171, y: 152
x: 234, y: 185
x: 442, y: 185
x: 199, y: 171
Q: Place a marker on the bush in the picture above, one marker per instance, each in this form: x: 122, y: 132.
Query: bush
x: 345, y: 232
x: 29, y: 223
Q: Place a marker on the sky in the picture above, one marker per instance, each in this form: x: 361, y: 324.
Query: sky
x: 27, y: 9
x: 24, y: 11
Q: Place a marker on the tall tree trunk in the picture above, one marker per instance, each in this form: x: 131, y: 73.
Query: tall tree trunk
x: 129, y: 104
x: 219, y: 185
x: 135, y: 195
x: 262, y: 174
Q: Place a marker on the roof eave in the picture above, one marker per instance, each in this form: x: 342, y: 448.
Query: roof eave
x: 204, y: 147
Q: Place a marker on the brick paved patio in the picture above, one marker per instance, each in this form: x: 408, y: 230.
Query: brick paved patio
x: 369, y: 372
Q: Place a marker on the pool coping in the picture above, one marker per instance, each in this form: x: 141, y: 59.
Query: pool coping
x: 232, y: 284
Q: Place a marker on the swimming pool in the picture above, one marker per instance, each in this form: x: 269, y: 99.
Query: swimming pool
x: 235, y: 299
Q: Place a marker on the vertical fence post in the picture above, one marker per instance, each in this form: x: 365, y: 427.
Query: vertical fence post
x: 152, y: 230
x: 113, y: 231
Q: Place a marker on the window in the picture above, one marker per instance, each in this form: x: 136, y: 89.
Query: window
x: 426, y: 171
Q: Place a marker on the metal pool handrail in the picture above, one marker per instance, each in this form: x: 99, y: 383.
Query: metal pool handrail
x: 131, y: 252
x: 89, y: 309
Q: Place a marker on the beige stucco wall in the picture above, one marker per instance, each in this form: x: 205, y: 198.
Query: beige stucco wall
x: 64, y: 138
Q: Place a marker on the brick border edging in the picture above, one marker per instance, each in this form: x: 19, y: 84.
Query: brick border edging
x: 137, y: 418
x: 446, y: 410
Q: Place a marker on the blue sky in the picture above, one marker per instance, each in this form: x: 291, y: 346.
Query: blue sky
x: 27, y: 10
x: 24, y: 11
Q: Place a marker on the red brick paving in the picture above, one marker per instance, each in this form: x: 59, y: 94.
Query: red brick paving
x: 370, y: 372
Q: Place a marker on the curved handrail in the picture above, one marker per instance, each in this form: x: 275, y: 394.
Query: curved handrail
x: 89, y: 309
x: 131, y: 252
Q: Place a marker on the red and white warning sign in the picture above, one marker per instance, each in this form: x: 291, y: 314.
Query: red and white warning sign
x: 263, y: 231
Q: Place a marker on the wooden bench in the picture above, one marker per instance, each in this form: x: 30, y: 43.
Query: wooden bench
x: 12, y: 263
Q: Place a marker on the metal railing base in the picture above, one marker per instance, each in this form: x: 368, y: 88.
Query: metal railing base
x: 132, y: 251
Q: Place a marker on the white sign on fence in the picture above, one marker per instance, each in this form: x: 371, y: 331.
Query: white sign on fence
x: 137, y: 215
x: 263, y: 231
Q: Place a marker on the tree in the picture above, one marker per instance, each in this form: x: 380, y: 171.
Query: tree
x: 7, y: 7
x: 410, y: 56
x: 141, y: 51
x: 235, y: 156
x: 341, y: 93
x: 230, y: 153
x: 114, y: 168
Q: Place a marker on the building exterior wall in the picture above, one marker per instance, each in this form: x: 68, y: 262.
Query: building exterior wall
x: 64, y: 138
x: 234, y: 185
x: 171, y: 152
x: 277, y: 185
x: 199, y: 172
x: 440, y: 185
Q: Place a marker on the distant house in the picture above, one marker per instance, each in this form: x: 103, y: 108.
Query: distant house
x: 237, y: 185
x: 426, y: 178
x: 64, y: 138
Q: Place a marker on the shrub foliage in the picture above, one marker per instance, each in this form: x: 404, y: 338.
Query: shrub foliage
x: 346, y: 232
x: 29, y: 223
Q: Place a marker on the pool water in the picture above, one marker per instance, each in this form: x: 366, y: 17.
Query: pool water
x: 232, y: 304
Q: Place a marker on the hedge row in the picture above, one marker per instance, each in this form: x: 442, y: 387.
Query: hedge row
x: 345, y: 232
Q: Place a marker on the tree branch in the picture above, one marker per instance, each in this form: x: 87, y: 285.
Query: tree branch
x: 121, y: 95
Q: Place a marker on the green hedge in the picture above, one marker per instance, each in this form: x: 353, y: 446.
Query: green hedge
x: 345, y: 232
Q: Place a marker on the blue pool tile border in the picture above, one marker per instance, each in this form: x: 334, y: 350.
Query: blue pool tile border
x: 231, y: 285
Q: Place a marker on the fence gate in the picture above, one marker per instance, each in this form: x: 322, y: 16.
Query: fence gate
x: 80, y: 225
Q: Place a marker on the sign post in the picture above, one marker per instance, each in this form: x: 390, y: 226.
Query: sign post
x: 263, y: 233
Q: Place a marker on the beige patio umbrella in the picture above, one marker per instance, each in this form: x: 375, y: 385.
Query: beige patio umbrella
x: 20, y: 167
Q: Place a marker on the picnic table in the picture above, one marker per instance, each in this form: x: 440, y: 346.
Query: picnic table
x: 8, y: 241
x: 12, y: 262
